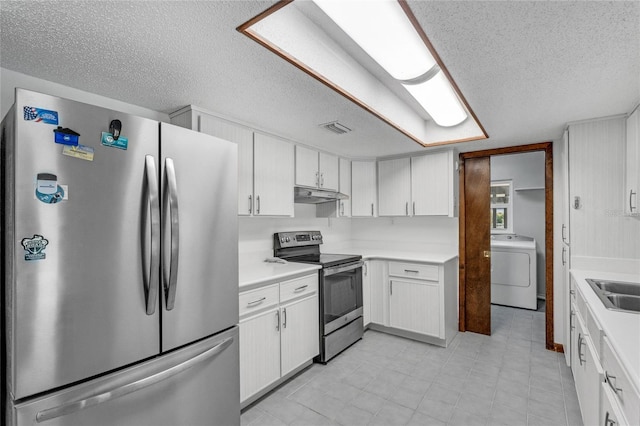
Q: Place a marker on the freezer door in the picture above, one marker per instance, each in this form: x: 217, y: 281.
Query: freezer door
x: 77, y: 306
x: 200, y: 234
x: 196, y: 385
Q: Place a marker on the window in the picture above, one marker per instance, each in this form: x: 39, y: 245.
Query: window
x: 501, y: 207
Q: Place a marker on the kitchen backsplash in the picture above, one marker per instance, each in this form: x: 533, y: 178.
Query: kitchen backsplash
x: 402, y: 233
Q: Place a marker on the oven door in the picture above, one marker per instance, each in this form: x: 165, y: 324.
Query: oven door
x: 341, y: 295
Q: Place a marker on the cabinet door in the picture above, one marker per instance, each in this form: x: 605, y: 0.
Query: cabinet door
x: 300, y: 339
x: 394, y: 187
x: 259, y: 352
x: 432, y: 184
x: 632, y: 176
x: 273, y: 176
x: 307, y: 167
x: 329, y: 171
x: 363, y: 188
x: 344, y: 206
x: 415, y: 306
x: 366, y: 293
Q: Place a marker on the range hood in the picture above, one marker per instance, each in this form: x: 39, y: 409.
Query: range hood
x: 304, y: 195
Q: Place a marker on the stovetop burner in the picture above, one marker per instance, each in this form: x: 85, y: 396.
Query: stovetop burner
x: 304, y: 247
x: 325, y: 259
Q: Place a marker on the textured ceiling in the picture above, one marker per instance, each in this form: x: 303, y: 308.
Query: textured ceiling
x: 526, y: 68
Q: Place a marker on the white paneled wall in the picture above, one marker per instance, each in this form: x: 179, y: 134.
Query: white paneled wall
x: 599, y: 228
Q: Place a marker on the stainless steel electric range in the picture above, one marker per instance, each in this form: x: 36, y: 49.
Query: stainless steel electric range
x: 340, y: 289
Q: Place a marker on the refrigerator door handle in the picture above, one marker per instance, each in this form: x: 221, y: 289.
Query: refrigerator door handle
x: 151, y: 176
x: 171, y: 276
x: 81, y: 404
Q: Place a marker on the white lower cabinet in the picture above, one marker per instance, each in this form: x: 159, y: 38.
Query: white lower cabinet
x: 606, y: 393
x: 279, y: 332
x: 415, y: 300
x: 415, y: 306
x: 587, y: 373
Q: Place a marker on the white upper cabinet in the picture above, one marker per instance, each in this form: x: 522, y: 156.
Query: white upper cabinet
x: 417, y: 186
x: 363, y: 188
x: 632, y: 176
x: 243, y: 136
x: 433, y: 184
x: 272, y: 176
x: 394, y: 187
x: 316, y: 169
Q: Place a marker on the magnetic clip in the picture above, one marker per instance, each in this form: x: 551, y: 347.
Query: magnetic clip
x: 114, y: 128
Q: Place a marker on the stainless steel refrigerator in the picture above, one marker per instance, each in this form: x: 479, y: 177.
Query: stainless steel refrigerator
x: 120, y: 273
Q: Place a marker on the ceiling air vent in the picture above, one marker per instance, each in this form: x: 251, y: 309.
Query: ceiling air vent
x: 336, y: 127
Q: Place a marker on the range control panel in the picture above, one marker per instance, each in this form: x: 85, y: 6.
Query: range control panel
x: 296, y: 239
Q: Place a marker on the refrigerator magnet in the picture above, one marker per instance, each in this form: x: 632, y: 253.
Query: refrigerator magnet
x: 109, y: 140
x: 79, y: 151
x: 66, y: 136
x: 34, y: 247
x: 39, y: 115
x: 47, y: 189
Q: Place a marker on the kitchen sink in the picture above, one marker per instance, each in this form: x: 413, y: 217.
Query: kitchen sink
x: 625, y: 302
x: 631, y: 289
x: 617, y: 295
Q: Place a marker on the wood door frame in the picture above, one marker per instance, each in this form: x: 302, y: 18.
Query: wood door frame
x: 547, y: 147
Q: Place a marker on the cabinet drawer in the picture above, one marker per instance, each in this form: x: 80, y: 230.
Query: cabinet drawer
x: 595, y: 331
x: 610, y: 413
x: 257, y: 300
x: 619, y: 382
x: 298, y: 288
x: 581, y: 306
x: 414, y: 270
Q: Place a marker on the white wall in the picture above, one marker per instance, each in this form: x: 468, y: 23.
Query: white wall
x: 406, y: 232
x: 526, y: 170
x: 256, y: 233
x: 599, y: 228
x: 9, y: 80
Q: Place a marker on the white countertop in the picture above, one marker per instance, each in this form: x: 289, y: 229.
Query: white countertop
x: 406, y: 256
x: 621, y: 328
x: 255, y: 272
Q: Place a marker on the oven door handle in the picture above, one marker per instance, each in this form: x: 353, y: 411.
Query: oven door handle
x: 342, y: 268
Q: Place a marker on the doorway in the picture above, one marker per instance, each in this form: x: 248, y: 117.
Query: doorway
x: 474, y: 239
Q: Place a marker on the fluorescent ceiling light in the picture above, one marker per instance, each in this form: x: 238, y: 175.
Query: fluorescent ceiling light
x: 305, y: 33
x: 437, y: 97
x: 383, y: 30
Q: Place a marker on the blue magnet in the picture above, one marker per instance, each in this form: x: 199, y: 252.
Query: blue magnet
x: 66, y: 136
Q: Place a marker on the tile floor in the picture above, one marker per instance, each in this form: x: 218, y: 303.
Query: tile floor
x: 505, y: 379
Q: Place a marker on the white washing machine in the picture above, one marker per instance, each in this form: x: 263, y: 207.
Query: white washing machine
x: 513, y: 271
